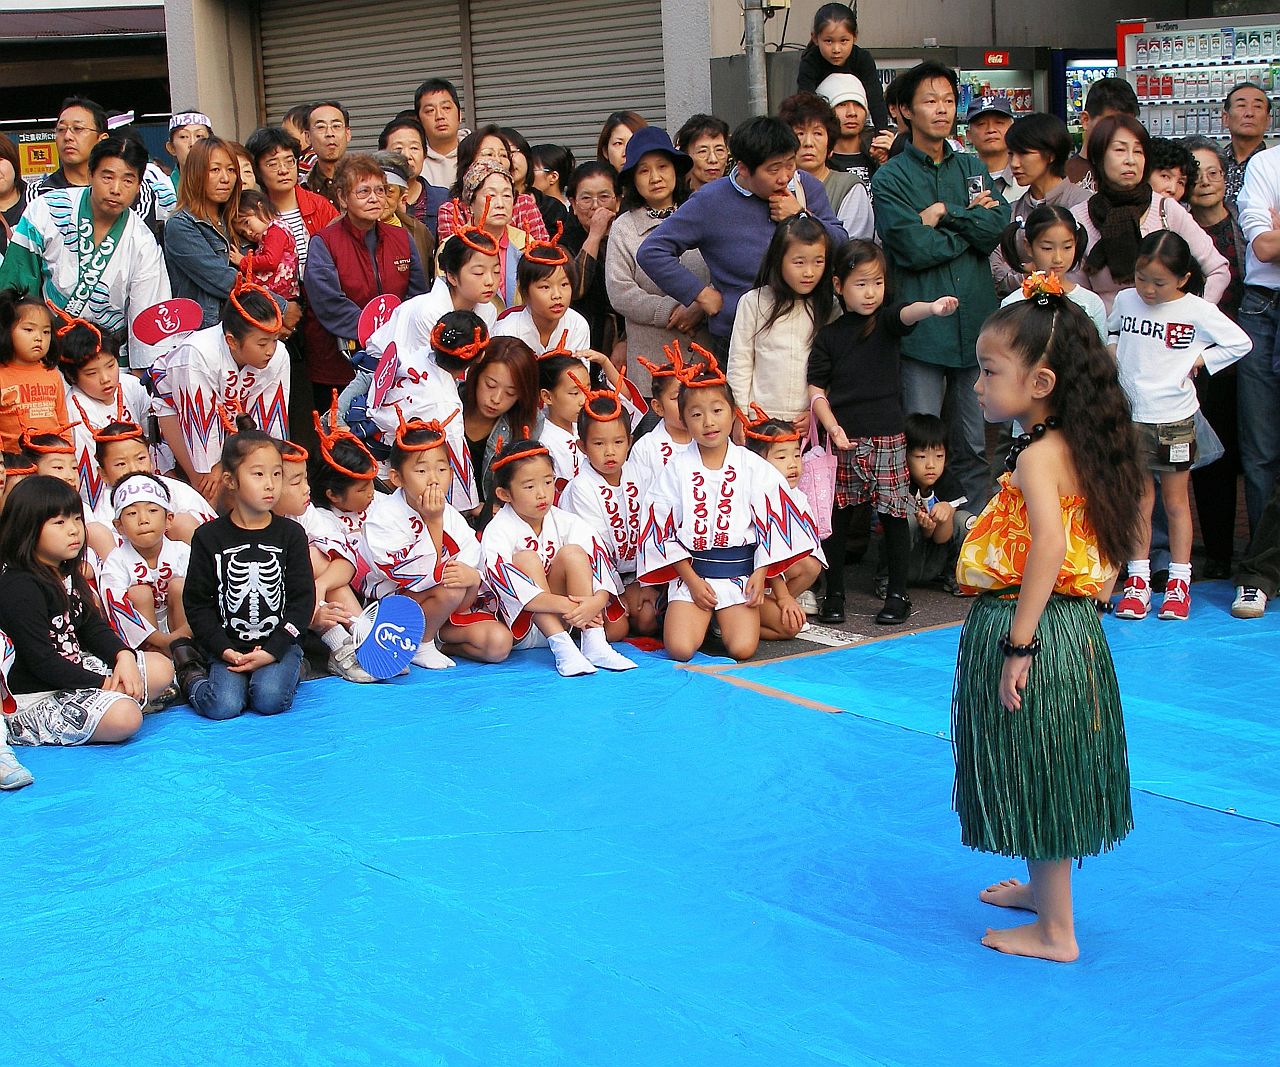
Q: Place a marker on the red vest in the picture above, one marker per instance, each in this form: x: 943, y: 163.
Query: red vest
x: 361, y: 278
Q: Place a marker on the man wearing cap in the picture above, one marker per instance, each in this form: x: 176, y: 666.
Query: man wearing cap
x: 185, y: 129
x: 989, y: 120
x: 939, y: 221
x: 86, y: 252
x: 731, y: 222
x: 848, y: 99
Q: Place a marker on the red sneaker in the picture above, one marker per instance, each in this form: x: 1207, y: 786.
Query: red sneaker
x: 1136, y: 600
x: 1177, y: 600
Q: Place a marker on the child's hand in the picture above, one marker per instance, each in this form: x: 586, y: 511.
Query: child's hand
x: 941, y: 512
x: 328, y: 615
x: 126, y: 678
x: 703, y: 595
x: 755, y: 589
x: 1013, y: 680
x: 457, y: 575
x: 598, y: 359
x: 944, y: 306
x: 1197, y: 366
x: 927, y: 522
x: 252, y: 661
x: 586, y: 610
x: 881, y: 145
x: 431, y: 502
x: 793, y: 617
x: 840, y: 439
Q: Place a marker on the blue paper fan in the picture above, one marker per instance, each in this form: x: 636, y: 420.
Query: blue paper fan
x: 388, y: 634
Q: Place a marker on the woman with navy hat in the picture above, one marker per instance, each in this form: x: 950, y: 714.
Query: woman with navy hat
x: 653, y: 181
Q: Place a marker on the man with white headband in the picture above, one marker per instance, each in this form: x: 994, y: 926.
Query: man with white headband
x: 141, y: 581
x: 185, y: 129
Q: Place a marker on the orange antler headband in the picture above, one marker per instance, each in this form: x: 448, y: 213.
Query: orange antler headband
x: 675, y: 363
x: 559, y: 348
x: 18, y: 472
x: 244, y: 285
x: 750, y: 426
x: 63, y: 448
x: 690, y: 372
x: 413, y: 425
x: 133, y: 431
x: 537, y: 450
x: 71, y: 323
x: 548, y: 253
x: 467, y: 351
x: 292, y: 452
x: 331, y: 437
x: 227, y: 412
x: 614, y: 394
x: 474, y: 235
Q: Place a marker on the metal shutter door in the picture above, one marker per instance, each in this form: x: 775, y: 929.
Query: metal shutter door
x: 555, y: 69
x: 370, y: 57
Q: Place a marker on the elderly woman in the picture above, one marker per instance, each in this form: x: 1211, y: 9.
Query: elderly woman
x: 653, y: 186
x: 397, y: 169
x: 488, y: 193
x: 349, y: 262
x: 488, y: 143
x: 593, y: 198
x: 1125, y: 209
x: 200, y: 247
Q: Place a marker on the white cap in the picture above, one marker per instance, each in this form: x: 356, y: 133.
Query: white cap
x: 839, y: 88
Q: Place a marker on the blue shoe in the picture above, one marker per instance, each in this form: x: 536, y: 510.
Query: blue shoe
x: 13, y: 775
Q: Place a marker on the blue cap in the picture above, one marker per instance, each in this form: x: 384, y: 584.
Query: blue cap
x: 989, y: 104
x: 653, y: 139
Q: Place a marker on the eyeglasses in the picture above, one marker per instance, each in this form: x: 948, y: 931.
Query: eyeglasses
x: 326, y: 127
x: 281, y: 164
x: 602, y: 198
x: 77, y: 130
x: 367, y: 192
x: 1211, y: 174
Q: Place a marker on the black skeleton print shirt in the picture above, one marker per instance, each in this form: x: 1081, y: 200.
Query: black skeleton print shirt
x: 249, y: 589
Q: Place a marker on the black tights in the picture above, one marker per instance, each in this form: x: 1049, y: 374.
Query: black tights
x: 897, y: 543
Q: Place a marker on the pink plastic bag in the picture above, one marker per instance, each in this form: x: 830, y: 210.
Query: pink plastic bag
x: 818, y: 482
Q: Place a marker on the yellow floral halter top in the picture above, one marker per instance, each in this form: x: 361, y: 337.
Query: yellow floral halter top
x: 994, y: 555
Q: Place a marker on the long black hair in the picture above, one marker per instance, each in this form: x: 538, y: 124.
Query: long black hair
x: 1094, y: 411
x: 806, y: 230
x: 1045, y: 217
x: 34, y: 501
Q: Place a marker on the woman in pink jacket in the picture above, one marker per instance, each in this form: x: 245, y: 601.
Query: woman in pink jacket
x: 1125, y: 209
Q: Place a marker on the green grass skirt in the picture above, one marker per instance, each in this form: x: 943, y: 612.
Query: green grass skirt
x: 1050, y: 781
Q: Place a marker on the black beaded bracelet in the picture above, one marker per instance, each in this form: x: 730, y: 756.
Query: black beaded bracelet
x: 1105, y: 607
x: 1010, y: 649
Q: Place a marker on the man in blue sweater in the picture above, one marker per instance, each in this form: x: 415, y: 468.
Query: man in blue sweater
x: 731, y: 222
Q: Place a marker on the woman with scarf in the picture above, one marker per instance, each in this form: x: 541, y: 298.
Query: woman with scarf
x: 1125, y: 209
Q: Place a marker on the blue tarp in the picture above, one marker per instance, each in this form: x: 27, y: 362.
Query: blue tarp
x: 494, y: 866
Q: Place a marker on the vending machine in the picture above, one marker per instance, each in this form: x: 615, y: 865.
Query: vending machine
x: 1072, y: 73
x: 1183, y: 70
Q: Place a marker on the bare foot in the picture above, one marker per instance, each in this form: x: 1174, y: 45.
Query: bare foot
x: 1031, y: 940
x: 1009, y: 894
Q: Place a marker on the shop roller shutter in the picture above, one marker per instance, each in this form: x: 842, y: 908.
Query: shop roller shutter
x: 369, y: 56
x: 555, y: 69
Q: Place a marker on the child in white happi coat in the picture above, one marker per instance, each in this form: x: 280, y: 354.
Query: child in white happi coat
x: 549, y: 569
x: 141, y: 581
x: 333, y: 564
x: 719, y: 523
x: 778, y: 444
x: 654, y: 450
x: 238, y: 365
x: 342, y: 484
x: 426, y: 390
x: 52, y: 454
x: 606, y: 493
x: 548, y: 278
x: 415, y: 543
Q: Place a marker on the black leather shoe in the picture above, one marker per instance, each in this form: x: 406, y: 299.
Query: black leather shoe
x: 897, y: 609
x: 188, y: 664
x: 832, y: 609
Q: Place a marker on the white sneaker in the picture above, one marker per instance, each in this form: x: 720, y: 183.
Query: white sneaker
x: 808, y: 602
x: 431, y: 658
x: 1250, y: 602
x: 342, y: 662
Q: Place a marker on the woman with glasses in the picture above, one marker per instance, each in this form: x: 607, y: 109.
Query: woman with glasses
x: 352, y: 260
x: 593, y: 199
x: 488, y: 143
x: 705, y: 139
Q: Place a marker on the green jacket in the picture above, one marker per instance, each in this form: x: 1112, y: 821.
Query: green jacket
x: 950, y: 259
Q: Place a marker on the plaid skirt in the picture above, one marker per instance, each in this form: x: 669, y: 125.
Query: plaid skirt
x: 875, y: 470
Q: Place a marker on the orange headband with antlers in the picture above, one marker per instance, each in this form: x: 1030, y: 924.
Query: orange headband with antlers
x: 71, y: 323
x: 689, y: 372
x: 244, y: 285
x: 559, y: 348
x: 18, y: 472
x: 63, y: 448
x: 548, y: 253
x: 133, y: 431
x: 474, y: 236
x: 331, y: 437
x: 614, y: 394
x: 675, y: 362
x: 467, y: 351
x: 751, y: 427
x: 413, y: 425
x: 538, y: 450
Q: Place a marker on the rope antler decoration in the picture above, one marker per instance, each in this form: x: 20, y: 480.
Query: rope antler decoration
x: 614, y: 394
x: 329, y: 438
x: 751, y: 426
x: 548, y: 253
x: 434, y: 427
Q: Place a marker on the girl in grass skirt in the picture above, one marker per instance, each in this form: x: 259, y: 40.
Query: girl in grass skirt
x: 1041, y: 768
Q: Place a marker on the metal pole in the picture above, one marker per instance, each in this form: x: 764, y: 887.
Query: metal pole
x: 757, y: 80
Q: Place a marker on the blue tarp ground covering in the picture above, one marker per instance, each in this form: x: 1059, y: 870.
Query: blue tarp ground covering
x: 497, y: 866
